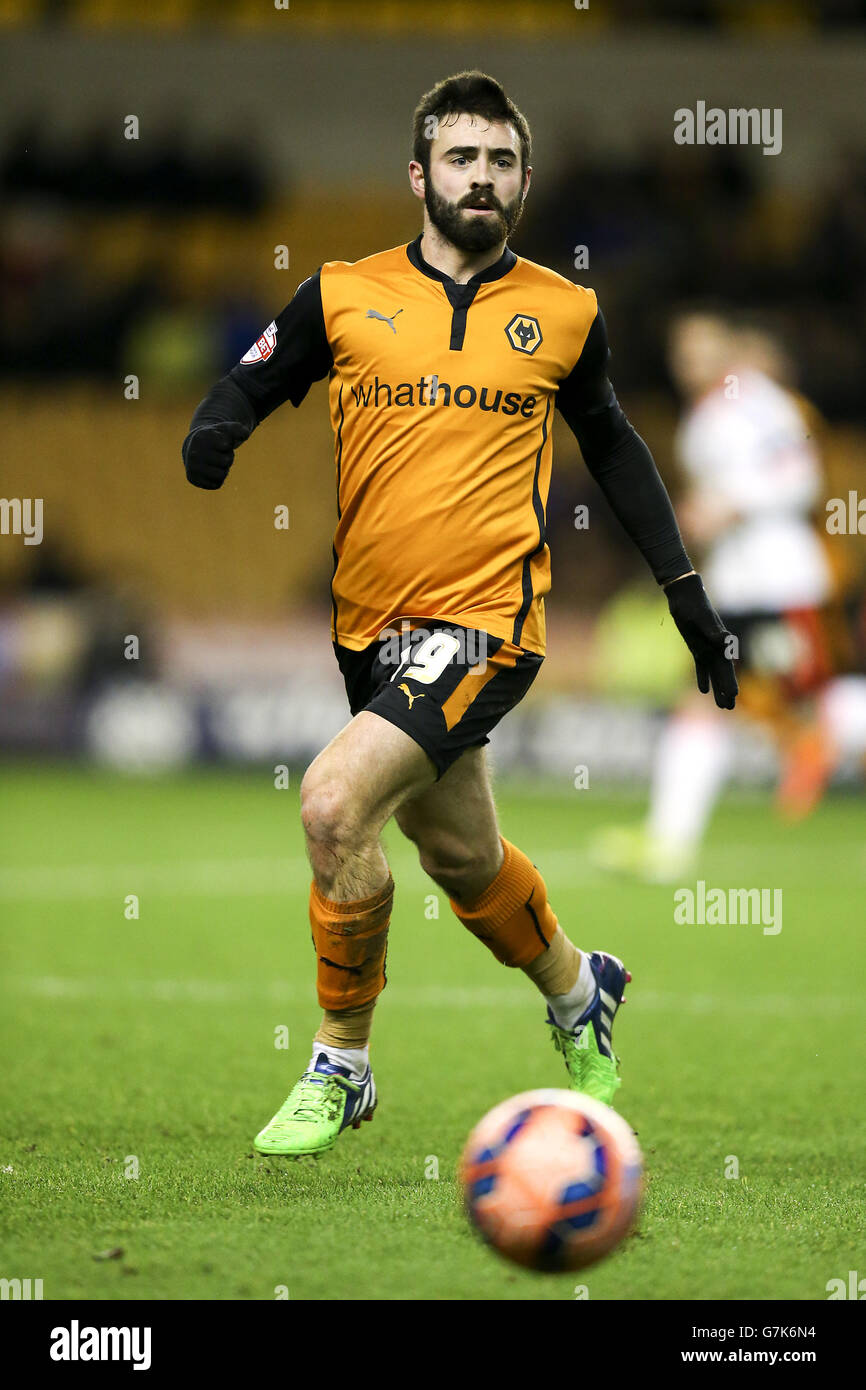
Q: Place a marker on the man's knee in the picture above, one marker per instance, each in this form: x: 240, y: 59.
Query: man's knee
x: 328, y: 813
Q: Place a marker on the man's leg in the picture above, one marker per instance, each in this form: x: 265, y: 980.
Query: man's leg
x: 691, y: 762
x: 492, y: 886
x: 500, y: 896
x: 453, y: 824
x: 348, y: 793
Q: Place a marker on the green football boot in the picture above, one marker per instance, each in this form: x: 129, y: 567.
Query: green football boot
x: 325, y: 1101
x: 592, y: 1066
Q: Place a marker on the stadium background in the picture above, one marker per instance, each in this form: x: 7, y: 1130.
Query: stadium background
x: 154, y: 257
x: 153, y: 885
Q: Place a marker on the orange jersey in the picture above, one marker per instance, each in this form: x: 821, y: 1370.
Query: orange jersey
x: 441, y: 399
x: 442, y: 418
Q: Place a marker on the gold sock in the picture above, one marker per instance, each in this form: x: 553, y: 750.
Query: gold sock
x: 512, y: 916
x: 556, y: 970
x: 347, y: 1027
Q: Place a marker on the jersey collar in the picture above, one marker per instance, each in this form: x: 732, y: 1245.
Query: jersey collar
x: 493, y: 272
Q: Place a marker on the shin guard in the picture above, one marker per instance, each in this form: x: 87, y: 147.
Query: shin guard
x: 351, y: 940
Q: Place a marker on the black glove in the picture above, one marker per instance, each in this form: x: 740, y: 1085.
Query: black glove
x: 209, y: 451
x: 706, y: 637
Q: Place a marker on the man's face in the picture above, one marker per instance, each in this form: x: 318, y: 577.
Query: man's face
x: 701, y: 350
x: 475, y: 189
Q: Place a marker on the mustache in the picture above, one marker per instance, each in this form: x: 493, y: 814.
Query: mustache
x: 484, y: 200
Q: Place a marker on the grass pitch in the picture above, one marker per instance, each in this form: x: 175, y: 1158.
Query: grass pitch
x: 140, y: 1053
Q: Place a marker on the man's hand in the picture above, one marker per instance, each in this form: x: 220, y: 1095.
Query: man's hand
x: 209, y: 451
x: 706, y: 637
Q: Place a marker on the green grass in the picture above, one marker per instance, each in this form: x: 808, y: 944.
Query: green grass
x: 154, y: 1038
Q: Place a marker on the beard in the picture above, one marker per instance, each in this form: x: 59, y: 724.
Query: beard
x: 470, y: 233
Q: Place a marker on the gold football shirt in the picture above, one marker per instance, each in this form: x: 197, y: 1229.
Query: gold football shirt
x: 441, y: 401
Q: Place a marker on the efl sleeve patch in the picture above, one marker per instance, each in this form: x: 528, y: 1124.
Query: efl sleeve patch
x: 263, y: 347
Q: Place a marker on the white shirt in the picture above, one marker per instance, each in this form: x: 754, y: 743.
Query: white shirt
x: 746, y: 444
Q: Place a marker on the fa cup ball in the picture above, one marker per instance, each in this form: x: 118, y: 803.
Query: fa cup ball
x: 552, y: 1179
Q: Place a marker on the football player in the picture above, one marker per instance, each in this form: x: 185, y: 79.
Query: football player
x: 445, y: 359
x: 746, y: 445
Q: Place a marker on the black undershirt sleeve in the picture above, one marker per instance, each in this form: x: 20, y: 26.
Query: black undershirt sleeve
x: 301, y: 355
x: 619, y: 460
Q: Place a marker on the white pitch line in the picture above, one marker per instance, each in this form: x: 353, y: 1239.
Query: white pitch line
x: 460, y: 997
x: 195, y: 877
x: 276, y: 876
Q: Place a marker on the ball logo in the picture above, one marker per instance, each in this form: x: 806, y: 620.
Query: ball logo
x: 263, y: 346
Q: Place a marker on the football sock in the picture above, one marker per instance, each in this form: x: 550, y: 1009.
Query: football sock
x: 568, y: 1005
x: 351, y: 940
x: 557, y: 969
x: 346, y: 1028
x: 512, y: 916
x: 354, y: 1059
x: 690, y: 766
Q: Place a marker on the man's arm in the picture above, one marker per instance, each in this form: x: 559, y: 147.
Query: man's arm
x: 625, y: 470
x: 291, y: 354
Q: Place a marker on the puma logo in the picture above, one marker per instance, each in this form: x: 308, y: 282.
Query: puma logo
x: 374, y: 314
x: 409, y: 696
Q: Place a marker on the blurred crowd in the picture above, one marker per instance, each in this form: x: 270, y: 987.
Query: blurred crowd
x: 676, y: 225
x: 673, y: 224
x: 683, y: 223
x: 97, y: 280
x: 62, y: 313
x: 110, y: 168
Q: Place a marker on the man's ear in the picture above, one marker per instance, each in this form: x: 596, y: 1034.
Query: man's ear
x: 416, y: 178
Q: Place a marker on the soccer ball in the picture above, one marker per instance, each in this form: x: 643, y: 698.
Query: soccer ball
x: 552, y: 1179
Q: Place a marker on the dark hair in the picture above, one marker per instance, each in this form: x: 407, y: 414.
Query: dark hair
x: 702, y: 307
x: 472, y: 94
x: 736, y: 318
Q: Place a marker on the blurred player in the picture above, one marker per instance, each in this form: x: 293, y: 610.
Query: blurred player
x: 446, y: 358
x: 755, y: 482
